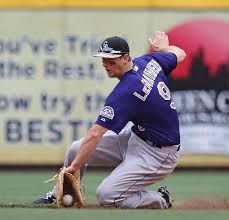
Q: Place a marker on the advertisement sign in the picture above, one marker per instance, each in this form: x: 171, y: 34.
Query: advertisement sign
x: 201, y: 85
x: 52, y: 89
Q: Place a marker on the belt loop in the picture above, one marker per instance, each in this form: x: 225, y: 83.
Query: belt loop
x: 178, y: 148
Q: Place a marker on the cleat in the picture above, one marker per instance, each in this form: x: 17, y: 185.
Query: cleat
x: 166, y: 195
x: 48, y: 199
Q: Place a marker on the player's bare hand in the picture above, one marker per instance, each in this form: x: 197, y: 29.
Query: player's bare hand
x: 72, y: 170
x: 160, y: 41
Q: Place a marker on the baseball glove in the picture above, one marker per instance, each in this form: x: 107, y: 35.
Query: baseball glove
x: 66, y: 183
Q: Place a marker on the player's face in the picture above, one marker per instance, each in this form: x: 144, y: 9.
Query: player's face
x: 115, y: 66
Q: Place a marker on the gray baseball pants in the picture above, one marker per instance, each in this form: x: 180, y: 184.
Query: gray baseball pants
x: 138, y: 165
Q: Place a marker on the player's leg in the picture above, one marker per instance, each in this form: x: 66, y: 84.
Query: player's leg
x: 143, y: 166
x: 110, y: 152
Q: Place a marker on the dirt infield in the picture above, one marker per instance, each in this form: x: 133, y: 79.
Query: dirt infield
x: 203, y: 203
x: 193, y: 204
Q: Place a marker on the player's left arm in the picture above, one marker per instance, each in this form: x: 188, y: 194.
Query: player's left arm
x: 180, y: 54
x: 87, y: 148
x: 160, y: 43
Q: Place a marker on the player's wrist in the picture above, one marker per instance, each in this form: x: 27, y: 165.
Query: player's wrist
x: 163, y: 49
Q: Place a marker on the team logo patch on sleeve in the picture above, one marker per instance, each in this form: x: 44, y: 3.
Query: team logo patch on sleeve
x: 107, y: 112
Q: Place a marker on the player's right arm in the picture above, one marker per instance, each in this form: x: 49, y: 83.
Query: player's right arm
x: 87, y: 148
x: 160, y: 43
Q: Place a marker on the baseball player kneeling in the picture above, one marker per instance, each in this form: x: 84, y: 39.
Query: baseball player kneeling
x: 144, y: 152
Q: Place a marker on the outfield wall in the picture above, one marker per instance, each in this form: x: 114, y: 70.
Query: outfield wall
x: 128, y: 4
x: 52, y: 89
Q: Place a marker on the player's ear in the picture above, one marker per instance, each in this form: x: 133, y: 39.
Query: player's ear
x: 126, y: 57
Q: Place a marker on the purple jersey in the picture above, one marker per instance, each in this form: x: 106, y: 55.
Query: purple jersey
x: 142, y: 96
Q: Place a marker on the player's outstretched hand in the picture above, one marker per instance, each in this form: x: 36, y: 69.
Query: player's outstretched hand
x: 160, y: 41
x: 75, y: 173
x: 67, y: 183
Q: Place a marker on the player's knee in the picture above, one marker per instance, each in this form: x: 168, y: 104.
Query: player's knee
x: 71, y: 153
x: 104, y: 194
x: 74, y: 148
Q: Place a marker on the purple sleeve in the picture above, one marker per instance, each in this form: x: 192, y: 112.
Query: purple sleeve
x: 167, y: 60
x: 115, y: 114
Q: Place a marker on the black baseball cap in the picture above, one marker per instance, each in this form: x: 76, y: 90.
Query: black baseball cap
x: 113, y: 47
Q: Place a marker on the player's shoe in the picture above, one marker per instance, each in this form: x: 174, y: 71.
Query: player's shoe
x: 49, y: 198
x: 166, y: 195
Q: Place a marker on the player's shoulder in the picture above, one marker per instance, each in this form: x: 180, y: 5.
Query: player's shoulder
x: 128, y: 83
x: 143, y: 57
x: 156, y: 55
x: 167, y: 60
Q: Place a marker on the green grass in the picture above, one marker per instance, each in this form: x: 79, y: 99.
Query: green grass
x: 19, y: 188
x: 39, y: 214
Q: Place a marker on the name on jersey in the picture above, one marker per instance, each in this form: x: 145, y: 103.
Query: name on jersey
x: 148, y: 77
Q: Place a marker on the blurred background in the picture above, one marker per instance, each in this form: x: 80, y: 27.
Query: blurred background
x: 52, y: 89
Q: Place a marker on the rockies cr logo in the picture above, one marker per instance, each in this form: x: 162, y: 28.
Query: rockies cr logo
x: 105, y: 44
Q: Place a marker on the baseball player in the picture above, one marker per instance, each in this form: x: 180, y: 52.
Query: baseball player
x: 146, y: 151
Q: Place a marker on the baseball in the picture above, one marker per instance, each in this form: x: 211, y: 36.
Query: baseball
x: 67, y: 200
